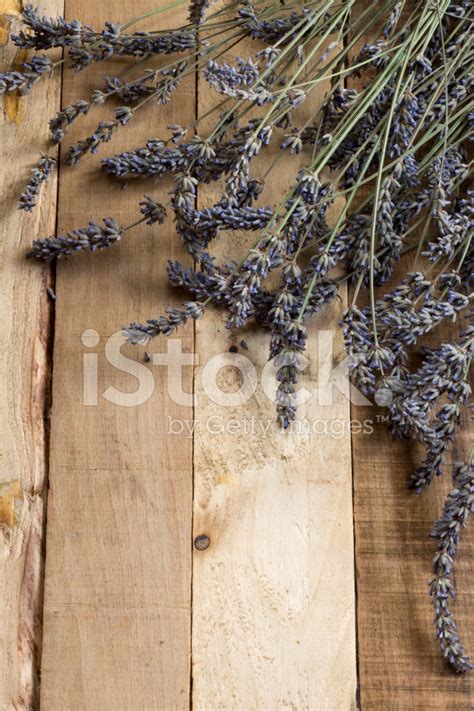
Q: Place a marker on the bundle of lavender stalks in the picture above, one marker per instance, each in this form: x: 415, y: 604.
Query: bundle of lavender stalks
x: 383, y: 191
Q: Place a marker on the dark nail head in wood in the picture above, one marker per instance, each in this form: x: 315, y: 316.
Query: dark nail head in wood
x: 202, y: 542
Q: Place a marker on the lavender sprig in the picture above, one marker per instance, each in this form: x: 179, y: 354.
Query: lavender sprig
x: 47, y: 32
x: 40, y: 174
x: 138, y: 333
x: 23, y: 81
x: 105, y: 130
x: 459, y: 504
x: 90, y: 238
x: 86, y: 45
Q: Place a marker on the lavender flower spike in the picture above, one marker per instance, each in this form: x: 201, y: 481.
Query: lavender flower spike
x: 31, y: 72
x: 139, y: 333
x: 40, y: 174
x: 458, y: 506
x: 89, y: 238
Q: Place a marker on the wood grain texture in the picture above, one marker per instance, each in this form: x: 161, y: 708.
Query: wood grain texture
x: 399, y: 659
x: 273, y: 595
x: 118, y: 569
x: 24, y: 378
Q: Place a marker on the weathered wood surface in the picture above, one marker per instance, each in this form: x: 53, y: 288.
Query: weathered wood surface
x: 273, y: 595
x: 400, y: 665
x: 118, y: 569
x: 25, y: 312
x: 399, y: 660
x: 134, y: 618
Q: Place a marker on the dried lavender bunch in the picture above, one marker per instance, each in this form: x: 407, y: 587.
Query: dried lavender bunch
x: 362, y: 140
x: 394, y: 144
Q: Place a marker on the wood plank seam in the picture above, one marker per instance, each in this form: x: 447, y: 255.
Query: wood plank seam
x: 351, y: 414
x: 193, y: 442
x: 356, y: 596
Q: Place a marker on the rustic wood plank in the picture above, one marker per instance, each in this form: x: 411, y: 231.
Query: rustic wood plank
x: 24, y: 378
x: 273, y: 594
x: 117, y: 589
x: 399, y: 659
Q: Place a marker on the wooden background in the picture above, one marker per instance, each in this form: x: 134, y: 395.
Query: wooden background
x: 313, y: 591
